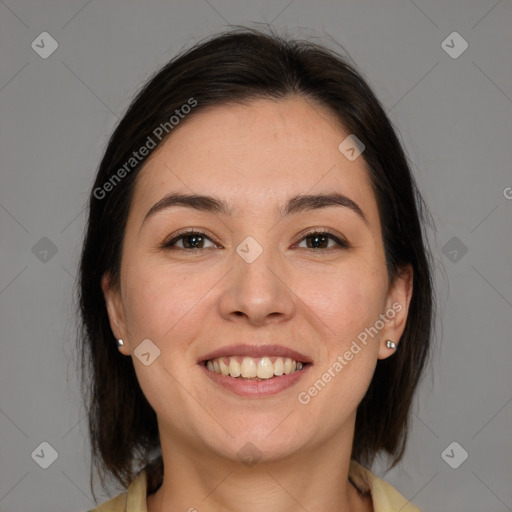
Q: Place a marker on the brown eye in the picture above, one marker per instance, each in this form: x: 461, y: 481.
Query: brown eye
x: 192, y: 240
x: 320, y: 240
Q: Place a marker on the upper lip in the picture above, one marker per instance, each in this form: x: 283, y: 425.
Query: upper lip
x: 256, y: 351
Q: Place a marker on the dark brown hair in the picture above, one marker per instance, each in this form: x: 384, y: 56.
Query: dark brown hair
x: 238, y: 66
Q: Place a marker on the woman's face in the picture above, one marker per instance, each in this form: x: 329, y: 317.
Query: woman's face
x: 256, y: 281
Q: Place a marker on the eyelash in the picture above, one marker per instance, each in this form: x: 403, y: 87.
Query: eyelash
x: 343, y: 244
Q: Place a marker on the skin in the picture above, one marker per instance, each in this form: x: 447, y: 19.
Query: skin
x: 316, y: 301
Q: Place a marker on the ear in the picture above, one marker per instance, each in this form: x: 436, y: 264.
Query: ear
x: 397, y: 308
x: 115, y: 311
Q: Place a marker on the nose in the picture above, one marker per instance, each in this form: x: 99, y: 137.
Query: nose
x: 258, y: 293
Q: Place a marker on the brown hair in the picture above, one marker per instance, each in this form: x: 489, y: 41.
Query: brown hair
x: 238, y: 66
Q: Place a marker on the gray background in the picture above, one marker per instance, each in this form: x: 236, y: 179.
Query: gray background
x: 454, y: 117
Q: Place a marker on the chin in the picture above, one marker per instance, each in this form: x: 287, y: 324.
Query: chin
x: 262, y: 443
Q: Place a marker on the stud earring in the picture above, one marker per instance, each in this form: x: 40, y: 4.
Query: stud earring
x: 391, y: 344
x: 120, y: 343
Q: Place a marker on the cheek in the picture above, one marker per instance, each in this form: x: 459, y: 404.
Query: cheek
x: 348, y: 300
x: 162, y: 303
x: 347, y: 303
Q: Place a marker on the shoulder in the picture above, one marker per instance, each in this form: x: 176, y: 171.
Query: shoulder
x: 117, y: 504
x: 384, y: 496
x: 133, y: 500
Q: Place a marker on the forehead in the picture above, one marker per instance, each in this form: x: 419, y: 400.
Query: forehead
x: 256, y: 154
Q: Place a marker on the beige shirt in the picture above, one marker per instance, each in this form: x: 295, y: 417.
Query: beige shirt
x: 385, y: 497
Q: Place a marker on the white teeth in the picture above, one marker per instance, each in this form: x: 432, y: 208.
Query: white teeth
x: 234, y: 367
x: 224, y: 368
x: 265, y: 368
x: 279, y: 366
x: 249, y: 368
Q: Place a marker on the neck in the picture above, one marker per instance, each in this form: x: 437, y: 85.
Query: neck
x: 314, y: 479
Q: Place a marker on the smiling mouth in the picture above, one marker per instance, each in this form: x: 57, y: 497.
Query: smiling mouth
x: 249, y: 368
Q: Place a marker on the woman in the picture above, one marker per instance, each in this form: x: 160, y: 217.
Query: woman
x: 255, y: 287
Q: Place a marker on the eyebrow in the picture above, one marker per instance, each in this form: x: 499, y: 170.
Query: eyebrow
x: 297, y: 204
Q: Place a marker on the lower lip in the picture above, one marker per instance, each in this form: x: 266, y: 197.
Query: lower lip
x: 256, y: 388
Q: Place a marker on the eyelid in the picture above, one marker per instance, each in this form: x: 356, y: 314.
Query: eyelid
x: 187, y: 231
x: 340, y: 240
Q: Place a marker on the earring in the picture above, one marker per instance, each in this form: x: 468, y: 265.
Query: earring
x: 391, y: 344
x: 120, y: 343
